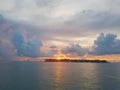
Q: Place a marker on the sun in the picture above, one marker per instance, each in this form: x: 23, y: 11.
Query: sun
x: 58, y: 58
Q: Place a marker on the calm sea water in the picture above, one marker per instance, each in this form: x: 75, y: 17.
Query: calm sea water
x: 59, y: 76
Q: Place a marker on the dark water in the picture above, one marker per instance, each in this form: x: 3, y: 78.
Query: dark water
x: 59, y: 76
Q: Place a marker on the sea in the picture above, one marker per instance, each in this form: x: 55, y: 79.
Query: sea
x: 59, y: 76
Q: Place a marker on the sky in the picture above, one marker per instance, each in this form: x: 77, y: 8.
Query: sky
x: 86, y: 29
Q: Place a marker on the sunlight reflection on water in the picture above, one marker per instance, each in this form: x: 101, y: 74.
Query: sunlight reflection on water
x: 59, y: 76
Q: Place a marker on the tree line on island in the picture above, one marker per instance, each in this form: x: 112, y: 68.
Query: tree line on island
x: 76, y: 60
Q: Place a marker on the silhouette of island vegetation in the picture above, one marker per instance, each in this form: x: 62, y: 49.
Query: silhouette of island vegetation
x: 76, y: 60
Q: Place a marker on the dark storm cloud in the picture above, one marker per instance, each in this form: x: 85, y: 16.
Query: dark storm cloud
x: 30, y: 48
x: 106, y: 44
x: 74, y: 49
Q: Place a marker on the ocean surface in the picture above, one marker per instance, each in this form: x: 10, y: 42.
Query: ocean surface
x: 59, y: 76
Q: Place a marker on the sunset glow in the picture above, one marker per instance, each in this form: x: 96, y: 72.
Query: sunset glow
x: 60, y: 55
x: 67, y: 29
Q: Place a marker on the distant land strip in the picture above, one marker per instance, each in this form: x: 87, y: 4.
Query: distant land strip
x: 76, y: 60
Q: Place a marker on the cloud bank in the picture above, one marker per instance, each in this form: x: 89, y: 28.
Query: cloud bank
x: 106, y: 44
x: 96, y: 20
x: 74, y: 49
x: 30, y: 48
x: 16, y: 40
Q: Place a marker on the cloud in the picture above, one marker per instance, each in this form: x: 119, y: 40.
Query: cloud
x: 27, y: 38
x: 85, y: 16
x: 96, y: 20
x: 106, y: 44
x: 55, y: 12
x: 2, y: 20
x: 6, y: 50
x: 53, y: 50
x: 5, y: 45
x: 23, y: 40
x: 74, y: 49
x: 30, y: 48
x: 6, y: 5
x: 53, y: 47
x: 46, y: 3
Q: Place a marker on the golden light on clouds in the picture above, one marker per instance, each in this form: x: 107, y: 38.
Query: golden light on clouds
x: 112, y: 58
x: 60, y: 55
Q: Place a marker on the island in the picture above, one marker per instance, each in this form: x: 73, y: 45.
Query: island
x: 76, y: 60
